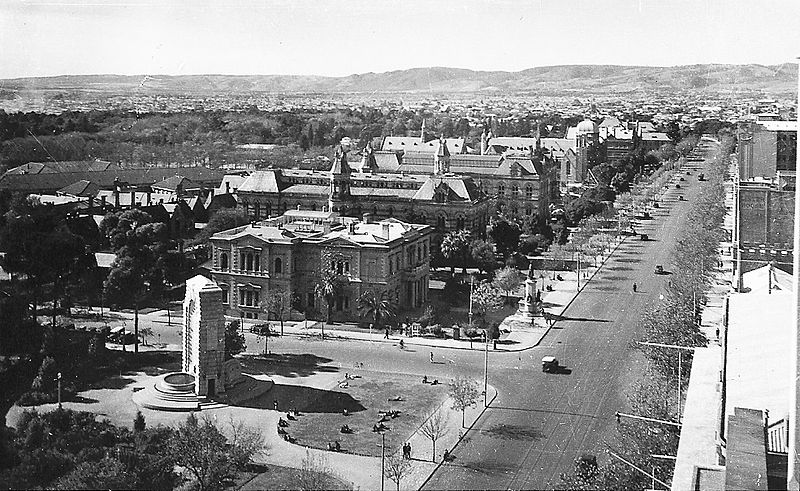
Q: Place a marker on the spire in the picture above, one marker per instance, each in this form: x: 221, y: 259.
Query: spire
x: 441, y: 162
x: 422, y: 132
x: 340, y: 165
x: 484, y: 142
x: 368, y: 162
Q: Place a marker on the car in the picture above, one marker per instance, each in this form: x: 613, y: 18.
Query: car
x: 643, y: 237
x: 261, y: 329
x: 677, y: 186
x: 682, y: 179
x: 659, y: 269
x: 549, y: 364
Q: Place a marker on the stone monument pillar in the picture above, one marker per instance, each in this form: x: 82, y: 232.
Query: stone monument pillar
x: 204, y: 336
x: 527, y: 305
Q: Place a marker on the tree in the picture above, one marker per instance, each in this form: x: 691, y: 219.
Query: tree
x: 505, y: 235
x: 223, y: 219
x: 434, y: 428
x: 485, y: 299
x: 41, y: 250
x: 144, y: 333
x: 464, y: 393
x: 140, y: 246
x: 313, y: 474
x: 455, y: 248
x: 328, y: 287
x: 202, y: 449
x: 508, y: 279
x: 395, y: 468
x: 234, y: 340
x: 482, y: 253
x: 278, y: 303
x: 378, y: 308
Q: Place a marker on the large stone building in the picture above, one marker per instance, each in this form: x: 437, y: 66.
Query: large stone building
x: 439, y: 198
x: 765, y: 224
x: 289, y: 252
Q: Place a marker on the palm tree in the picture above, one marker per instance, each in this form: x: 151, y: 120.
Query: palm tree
x: 328, y: 288
x: 377, y: 307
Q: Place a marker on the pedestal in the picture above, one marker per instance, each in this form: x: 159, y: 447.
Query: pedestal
x: 527, y: 304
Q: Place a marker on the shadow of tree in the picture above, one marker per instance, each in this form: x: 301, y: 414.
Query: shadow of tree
x: 286, y: 364
x: 513, y: 432
x: 305, y: 400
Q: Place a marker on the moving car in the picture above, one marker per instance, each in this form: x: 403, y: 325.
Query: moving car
x: 549, y: 364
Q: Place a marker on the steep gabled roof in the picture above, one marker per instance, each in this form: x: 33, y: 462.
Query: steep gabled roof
x: 266, y: 181
x: 172, y: 183
x: 459, y: 188
x: 80, y: 188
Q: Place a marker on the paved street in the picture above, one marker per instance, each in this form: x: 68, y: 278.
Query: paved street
x: 541, y: 422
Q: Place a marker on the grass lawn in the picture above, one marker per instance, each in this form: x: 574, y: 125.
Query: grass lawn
x: 275, y: 477
x: 364, y: 397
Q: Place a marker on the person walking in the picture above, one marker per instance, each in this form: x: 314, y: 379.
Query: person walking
x: 409, y: 449
x: 634, y: 288
x: 386, y: 335
x: 431, y: 356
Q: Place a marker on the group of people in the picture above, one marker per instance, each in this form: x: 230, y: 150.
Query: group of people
x: 407, y: 450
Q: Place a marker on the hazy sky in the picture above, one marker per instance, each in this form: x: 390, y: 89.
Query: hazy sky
x: 340, y: 37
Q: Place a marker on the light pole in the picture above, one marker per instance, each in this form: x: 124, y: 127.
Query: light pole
x: 383, y: 457
x: 486, y: 374
x: 471, y: 280
x: 59, y: 389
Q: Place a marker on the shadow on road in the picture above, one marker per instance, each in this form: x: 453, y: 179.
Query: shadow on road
x: 286, y: 364
x: 513, y: 432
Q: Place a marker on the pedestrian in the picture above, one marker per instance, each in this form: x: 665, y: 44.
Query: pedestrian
x: 409, y: 449
x: 275, y: 404
x: 431, y: 356
x: 634, y: 288
x: 386, y: 335
x: 617, y: 416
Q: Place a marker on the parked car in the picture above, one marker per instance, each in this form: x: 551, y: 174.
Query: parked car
x: 659, y: 269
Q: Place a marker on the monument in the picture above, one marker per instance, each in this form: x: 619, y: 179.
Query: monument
x: 206, y: 375
x: 529, y: 301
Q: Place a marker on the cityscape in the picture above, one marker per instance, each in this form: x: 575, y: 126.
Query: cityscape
x: 504, y: 245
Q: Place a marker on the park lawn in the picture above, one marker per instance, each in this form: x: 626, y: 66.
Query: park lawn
x: 372, y: 391
x: 275, y: 477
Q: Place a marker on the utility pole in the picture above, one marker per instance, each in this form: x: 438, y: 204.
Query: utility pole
x: 680, y: 363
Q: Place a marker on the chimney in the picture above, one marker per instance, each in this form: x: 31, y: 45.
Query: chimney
x: 149, y: 196
x: 116, y: 196
x: 385, y: 230
x: 352, y: 226
x: 366, y: 218
x: 133, y: 198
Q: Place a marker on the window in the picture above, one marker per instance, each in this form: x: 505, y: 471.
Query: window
x: 223, y: 261
x: 515, y: 191
x: 248, y: 298
x: 501, y: 189
x: 528, y: 191
x: 460, y: 223
x: 267, y: 209
x: 225, y: 294
x: 441, y: 223
x: 278, y: 266
x: 424, y: 249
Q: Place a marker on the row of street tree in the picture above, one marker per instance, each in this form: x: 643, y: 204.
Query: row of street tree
x: 674, y: 321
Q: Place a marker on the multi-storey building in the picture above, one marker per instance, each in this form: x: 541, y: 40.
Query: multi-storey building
x: 289, y: 253
x: 440, y: 198
x: 767, y: 147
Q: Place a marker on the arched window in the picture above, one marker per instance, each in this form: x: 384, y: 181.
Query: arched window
x: 390, y: 211
x: 278, y: 265
x: 460, y: 223
x: 501, y: 189
x: 249, y: 261
x: 225, y: 294
x: 441, y: 222
x: 528, y: 191
x: 515, y: 191
x: 267, y: 209
x: 223, y: 261
x: 313, y: 207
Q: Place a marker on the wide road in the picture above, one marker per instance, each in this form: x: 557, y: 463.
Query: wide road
x: 541, y: 422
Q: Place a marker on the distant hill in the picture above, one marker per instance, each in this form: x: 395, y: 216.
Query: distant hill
x: 592, y: 78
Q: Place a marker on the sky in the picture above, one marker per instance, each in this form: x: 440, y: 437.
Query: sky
x: 342, y: 37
